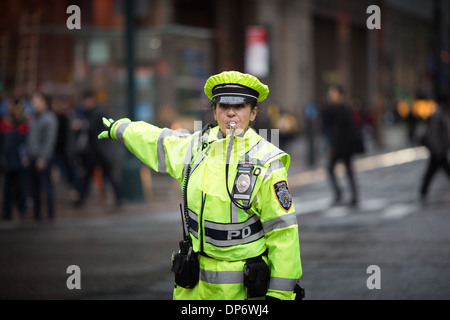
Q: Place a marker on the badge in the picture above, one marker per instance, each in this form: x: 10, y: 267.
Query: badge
x: 283, y: 194
x: 243, y: 183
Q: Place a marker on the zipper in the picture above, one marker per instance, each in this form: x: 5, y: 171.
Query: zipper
x: 200, y: 227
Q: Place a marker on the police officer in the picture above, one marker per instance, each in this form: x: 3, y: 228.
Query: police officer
x: 241, y: 230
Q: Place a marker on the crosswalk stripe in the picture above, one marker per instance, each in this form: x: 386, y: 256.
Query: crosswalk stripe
x: 363, y: 164
x: 378, y: 206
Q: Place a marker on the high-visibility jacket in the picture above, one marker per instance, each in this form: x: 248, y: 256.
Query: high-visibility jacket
x: 223, y: 235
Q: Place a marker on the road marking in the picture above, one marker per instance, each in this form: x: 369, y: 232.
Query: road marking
x: 376, y: 204
x: 378, y: 208
x: 304, y: 207
x: 398, y: 210
x: 336, y: 212
x: 322, y: 204
x: 363, y: 164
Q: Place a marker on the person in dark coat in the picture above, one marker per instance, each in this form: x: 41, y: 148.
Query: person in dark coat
x: 95, y: 152
x: 14, y: 127
x: 437, y: 140
x: 341, y: 135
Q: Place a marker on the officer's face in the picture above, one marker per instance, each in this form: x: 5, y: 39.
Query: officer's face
x: 241, y: 114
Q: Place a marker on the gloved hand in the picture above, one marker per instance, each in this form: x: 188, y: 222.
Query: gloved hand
x: 110, y: 125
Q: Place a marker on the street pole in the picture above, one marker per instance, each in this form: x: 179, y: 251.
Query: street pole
x: 437, y: 46
x: 132, y: 184
x: 129, y: 50
x: 374, y: 81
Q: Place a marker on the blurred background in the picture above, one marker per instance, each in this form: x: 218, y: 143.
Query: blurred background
x: 149, y: 59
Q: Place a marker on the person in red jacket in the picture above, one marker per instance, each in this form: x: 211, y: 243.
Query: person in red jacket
x: 14, y: 127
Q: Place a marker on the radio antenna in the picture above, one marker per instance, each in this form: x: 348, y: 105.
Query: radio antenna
x: 182, y: 221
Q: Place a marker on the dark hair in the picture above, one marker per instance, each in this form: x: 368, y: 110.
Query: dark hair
x: 45, y: 97
x: 252, y: 104
x: 88, y: 94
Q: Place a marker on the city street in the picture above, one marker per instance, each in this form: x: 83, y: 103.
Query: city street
x: 125, y: 253
x: 321, y: 80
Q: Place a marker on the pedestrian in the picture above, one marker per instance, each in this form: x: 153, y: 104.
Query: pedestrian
x: 14, y: 127
x: 311, y: 113
x: 94, y: 153
x: 341, y: 136
x: 437, y: 140
x: 241, y: 233
x: 40, y: 146
x: 63, y: 153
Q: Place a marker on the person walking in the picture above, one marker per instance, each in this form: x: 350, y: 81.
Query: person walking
x: 341, y: 137
x: 40, y: 146
x: 437, y: 140
x: 95, y: 153
x: 241, y: 234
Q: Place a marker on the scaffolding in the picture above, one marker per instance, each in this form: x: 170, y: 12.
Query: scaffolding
x: 28, y: 53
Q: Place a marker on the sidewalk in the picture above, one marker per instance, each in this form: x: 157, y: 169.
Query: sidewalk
x: 162, y: 192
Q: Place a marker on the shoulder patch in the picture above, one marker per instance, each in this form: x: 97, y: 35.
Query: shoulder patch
x: 283, y: 194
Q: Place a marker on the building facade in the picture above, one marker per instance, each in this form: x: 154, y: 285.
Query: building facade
x: 305, y: 46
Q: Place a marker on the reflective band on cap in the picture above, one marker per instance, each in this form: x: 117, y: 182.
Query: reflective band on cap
x: 234, y: 94
x: 233, y: 100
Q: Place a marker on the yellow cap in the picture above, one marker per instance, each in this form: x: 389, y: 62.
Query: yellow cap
x: 233, y: 87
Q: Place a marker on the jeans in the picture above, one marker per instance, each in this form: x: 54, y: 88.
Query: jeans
x: 15, y: 190
x: 41, y: 181
x: 350, y: 175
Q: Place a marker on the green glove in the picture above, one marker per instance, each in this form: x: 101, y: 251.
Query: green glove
x: 111, y: 126
x: 108, y: 124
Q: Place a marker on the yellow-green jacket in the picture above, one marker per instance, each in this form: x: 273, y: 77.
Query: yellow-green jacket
x: 224, y: 235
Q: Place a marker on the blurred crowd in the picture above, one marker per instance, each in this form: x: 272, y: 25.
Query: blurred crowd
x: 41, y: 139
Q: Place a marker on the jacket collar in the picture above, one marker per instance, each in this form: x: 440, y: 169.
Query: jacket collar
x: 214, y: 134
